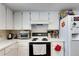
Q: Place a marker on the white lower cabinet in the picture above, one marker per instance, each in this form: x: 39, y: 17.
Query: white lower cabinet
x: 1, y: 52
x: 12, y: 53
x: 20, y: 48
x: 11, y: 50
x: 23, y: 48
x: 23, y: 51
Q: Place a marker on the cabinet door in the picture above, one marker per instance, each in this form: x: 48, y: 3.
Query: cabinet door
x: 23, y: 51
x: 43, y: 15
x: 53, y: 20
x: 11, y: 50
x: 34, y: 15
x: 9, y: 24
x: 18, y: 20
x: 23, y: 43
x: 23, y: 48
x: 2, y: 16
x: 1, y: 52
x: 26, y: 20
x: 12, y: 53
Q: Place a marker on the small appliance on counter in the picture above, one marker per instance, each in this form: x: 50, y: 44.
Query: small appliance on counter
x: 10, y: 36
x: 23, y: 34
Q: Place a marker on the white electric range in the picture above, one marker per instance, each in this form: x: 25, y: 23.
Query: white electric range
x: 39, y: 45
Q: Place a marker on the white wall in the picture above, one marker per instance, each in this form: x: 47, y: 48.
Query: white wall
x: 3, y: 35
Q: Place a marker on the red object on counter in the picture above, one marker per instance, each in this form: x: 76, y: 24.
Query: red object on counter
x: 58, y: 48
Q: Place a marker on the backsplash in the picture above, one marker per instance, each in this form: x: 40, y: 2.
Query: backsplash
x: 16, y: 33
x: 53, y: 34
x: 3, y: 35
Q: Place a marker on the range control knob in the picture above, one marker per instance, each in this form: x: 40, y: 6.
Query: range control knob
x: 58, y: 48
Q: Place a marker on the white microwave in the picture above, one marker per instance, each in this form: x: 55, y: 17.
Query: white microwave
x: 23, y: 35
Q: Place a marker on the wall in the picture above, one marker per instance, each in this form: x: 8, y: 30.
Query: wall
x: 3, y: 35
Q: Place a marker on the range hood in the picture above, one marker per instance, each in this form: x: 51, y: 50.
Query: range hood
x: 39, y: 21
x: 39, y: 28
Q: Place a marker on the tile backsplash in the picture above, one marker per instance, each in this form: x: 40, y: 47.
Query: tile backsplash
x: 3, y: 35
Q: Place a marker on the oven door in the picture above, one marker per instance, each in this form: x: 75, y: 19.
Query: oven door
x: 39, y: 49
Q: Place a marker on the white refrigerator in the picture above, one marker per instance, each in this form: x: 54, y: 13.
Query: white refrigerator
x: 69, y: 32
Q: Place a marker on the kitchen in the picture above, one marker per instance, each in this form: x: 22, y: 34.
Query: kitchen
x: 28, y: 29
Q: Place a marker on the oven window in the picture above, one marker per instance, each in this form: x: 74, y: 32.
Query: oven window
x: 39, y: 49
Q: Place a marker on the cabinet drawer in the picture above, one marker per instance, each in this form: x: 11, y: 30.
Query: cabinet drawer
x: 19, y: 41
x: 23, y: 44
x: 1, y: 52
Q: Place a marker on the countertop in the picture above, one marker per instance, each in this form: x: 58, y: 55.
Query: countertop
x: 6, y: 43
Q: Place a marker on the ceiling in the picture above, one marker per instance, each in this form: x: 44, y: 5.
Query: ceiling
x: 41, y: 6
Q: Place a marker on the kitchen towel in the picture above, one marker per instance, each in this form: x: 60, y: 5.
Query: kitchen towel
x: 39, y: 49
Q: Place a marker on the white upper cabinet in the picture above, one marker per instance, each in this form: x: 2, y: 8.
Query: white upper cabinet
x: 39, y: 17
x: 53, y: 20
x: 2, y: 17
x: 23, y: 48
x: 9, y: 24
x: 34, y: 15
x: 43, y: 15
x: 26, y: 20
x: 18, y: 20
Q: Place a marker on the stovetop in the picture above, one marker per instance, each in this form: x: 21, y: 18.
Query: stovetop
x: 40, y: 39
x: 44, y: 39
x: 34, y: 39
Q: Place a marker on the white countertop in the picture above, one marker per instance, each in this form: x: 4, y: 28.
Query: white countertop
x: 6, y: 43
